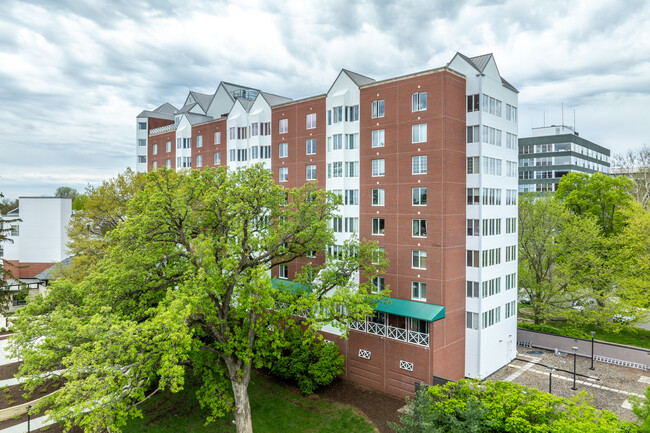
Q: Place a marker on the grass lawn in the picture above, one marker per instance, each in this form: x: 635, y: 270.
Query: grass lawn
x: 275, y: 408
x: 631, y: 336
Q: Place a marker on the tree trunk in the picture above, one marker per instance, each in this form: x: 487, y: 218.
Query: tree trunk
x: 242, y: 405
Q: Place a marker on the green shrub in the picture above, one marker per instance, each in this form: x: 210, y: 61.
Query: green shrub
x: 568, y: 332
x: 307, y: 362
x: 472, y: 406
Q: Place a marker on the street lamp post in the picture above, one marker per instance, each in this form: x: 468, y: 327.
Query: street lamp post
x: 593, y: 334
x: 575, y: 351
x: 28, y: 418
x: 550, y: 379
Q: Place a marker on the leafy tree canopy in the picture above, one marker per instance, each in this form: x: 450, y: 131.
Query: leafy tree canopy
x: 597, y: 195
x: 184, y: 283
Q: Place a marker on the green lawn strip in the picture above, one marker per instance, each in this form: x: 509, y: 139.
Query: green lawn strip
x: 629, y: 336
x: 274, y: 408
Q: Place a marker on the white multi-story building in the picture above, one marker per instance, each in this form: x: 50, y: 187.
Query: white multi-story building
x: 426, y: 165
x: 492, y: 159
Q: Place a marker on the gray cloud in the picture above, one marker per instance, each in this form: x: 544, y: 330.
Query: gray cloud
x: 74, y: 74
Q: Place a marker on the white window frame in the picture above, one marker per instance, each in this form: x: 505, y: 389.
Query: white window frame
x: 283, y: 150
x: 418, y: 291
x: 419, y: 164
x: 283, y: 126
x: 378, y: 138
x: 380, y: 195
x: 419, y: 133
x: 311, y: 172
x: 310, y: 121
x: 378, y: 167
x: 283, y: 174
x: 417, y: 257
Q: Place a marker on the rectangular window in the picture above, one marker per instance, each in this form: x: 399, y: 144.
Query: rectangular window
x: 377, y: 226
x: 217, y: 158
x: 199, y: 160
x: 311, y: 172
x: 142, y: 125
x: 378, y: 138
x: 473, y: 134
x: 142, y: 142
x: 351, y: 197
x: 242, y: 133
x: 265, y: 128
x: 419, y: 164
x: 265, y: 152
x: 232, y: 133
x: 378, y: 197
x: 338, y: 114
x: 419, y: 101
x: 473, y: 258
x: 284, y: 150
x: 352, y: 113
x: 187, y: 162
x: 284, y: 126
x: 419, y: 228
x: 378, y: 168
x: 199, y: 141
x: 472, y: 320
x: 217, y: 138
x: 473, y: 103
x: 419, y: 259
x: 352, y: 225
x: 155, y: 149
x: 255, y: 129
x: 473, y: 227
x: 311, y: 147
x: 336, y: 169
x: 377, y: 284
x: 283, y: 271
x: 337, y: 143
x: 168, y: 146
x: 168, y: 163
x: 311, y: 121
x: 352, y: 169
x: 377, y: 108
x: 419, y: 290
x: 337, y: 224
x: 154, y: 165
x: 351, y: 141
x: 473, y: 166
x: 255, y: 152
x: 419, y: 133
x: 419, y: 196
x: 511, y: 309
x: 178, y: 143
x: 187, y: 143
x: 284, y: 174
x: 142, y: 159
x: 473, y: 196
x: 472, y: 289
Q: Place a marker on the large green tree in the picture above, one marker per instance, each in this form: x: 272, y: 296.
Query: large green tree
x: 185, y: 283
x: 554, y: 247
x: 104, y: 208
x: 614, y: 281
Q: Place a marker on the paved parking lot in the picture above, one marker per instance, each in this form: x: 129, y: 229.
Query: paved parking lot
x: 610, y: 385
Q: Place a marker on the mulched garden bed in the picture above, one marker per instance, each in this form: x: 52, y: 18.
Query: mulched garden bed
x: 380, y: 408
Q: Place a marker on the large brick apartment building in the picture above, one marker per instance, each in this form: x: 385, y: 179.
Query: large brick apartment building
x: 426, y: 165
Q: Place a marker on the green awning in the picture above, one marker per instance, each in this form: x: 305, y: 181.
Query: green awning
x: 290, y: 286
x: 414, y: 309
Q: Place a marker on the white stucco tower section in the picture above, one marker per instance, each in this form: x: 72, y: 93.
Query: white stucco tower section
x: 260, y: 149
x: 342, y: 162
x: 141, y: 145
x: 491, y: 323
x: 183, y: 143
x: 238, y: 147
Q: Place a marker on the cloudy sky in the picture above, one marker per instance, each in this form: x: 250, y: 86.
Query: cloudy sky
x: 74, y: 74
